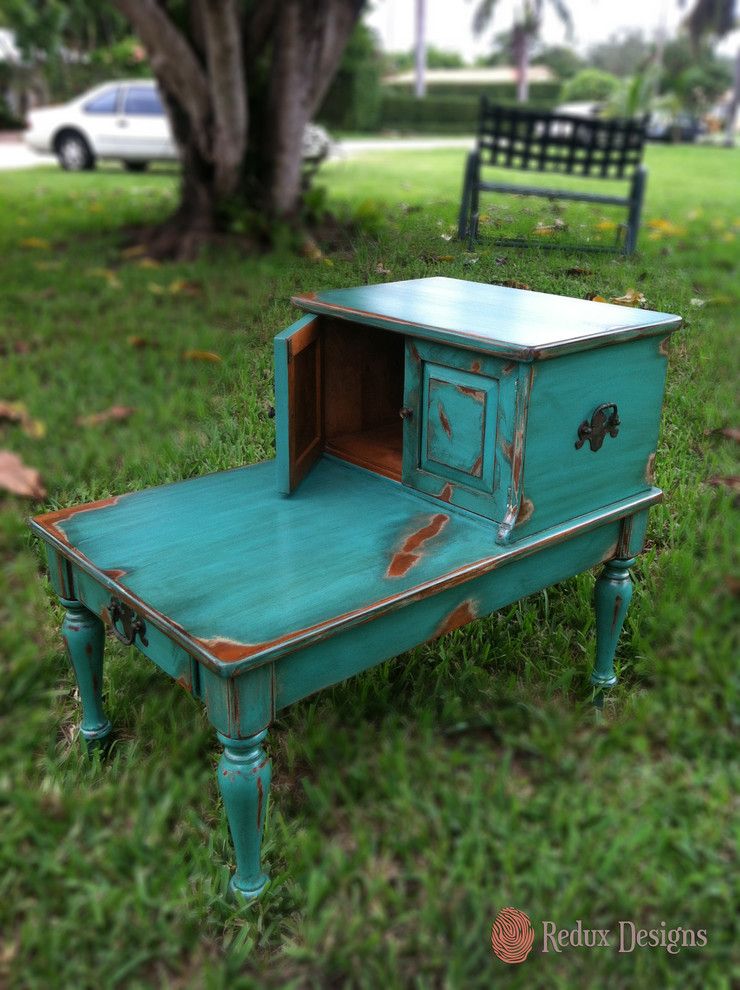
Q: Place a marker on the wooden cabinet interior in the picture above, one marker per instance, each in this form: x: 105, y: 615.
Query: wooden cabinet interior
x: 362, y: 384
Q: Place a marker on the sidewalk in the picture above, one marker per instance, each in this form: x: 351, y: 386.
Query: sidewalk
x: 14, y: 153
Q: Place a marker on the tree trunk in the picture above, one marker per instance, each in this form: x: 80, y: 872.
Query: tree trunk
x: 207, y: 56
x: 733, y: 105
x: 521, y: 43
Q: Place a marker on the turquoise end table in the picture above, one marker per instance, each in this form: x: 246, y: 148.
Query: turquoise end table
x: 443, y: 449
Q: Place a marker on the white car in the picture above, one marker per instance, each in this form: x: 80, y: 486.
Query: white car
x: 124, y: 120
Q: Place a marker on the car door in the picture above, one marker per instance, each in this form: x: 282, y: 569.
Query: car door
x: 99, y: 117
x: 145, y: 124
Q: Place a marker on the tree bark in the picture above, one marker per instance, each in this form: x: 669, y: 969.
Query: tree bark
x: 216, y: 59
x: 310, y: 37
x: 521, y: 43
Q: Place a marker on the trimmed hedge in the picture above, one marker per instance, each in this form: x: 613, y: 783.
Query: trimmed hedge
x: 451, y: 114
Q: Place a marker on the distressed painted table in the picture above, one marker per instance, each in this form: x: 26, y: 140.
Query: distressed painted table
x: 443, y: 448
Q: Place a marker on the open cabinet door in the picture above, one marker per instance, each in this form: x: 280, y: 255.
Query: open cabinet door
x: 298, y: 409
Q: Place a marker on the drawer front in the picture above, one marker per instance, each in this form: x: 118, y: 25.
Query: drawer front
x: 460, y: 412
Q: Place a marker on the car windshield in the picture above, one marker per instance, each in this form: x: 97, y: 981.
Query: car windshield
x: 143, y: 100
x: 104, y: 102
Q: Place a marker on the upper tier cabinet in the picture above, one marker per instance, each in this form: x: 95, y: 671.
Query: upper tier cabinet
x: 440, y: 419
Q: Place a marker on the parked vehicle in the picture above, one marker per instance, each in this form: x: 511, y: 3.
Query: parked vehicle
x: 664, y: 126
x: 125, y: 120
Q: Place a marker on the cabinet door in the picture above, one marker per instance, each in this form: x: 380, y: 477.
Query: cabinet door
x: 459, y: 426
x: 298, y: 403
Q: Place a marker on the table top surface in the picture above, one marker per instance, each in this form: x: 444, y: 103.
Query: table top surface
x: 513, y: 323
x: 239, y: 574
x: 245, y: 572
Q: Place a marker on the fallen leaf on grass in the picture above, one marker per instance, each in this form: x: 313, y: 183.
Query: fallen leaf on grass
x: 733, y: 585
x: 547, y: 229
x: 575, y: 271
x: 310, y: 249
x: 729, y: 432
x: 114, y: 414
x: 606, y: 225
x: 664, y: 228
x: 201, y: 356
x: 697, y: 302
x: 446, y: 237
x: 135, y: 251
x: 141, y: 342
x: 380, y: 269
x: 731, y: 481
x: 17, y: 478
x: 184, y: 287
x: 108, y: 274
x: 597, y: 298
x: 631, y: 298
x: 16, y: 412
x: 512, y: 283
x: 38, y: 243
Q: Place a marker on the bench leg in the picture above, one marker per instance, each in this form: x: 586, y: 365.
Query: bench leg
x: 471, y: 171
x: 612, y: 597
x: 637, y: 195
x: 84, y: 637
x: 244, y: 773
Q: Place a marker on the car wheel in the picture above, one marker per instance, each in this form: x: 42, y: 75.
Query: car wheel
x: 73, y: 152
x: 135, y: 166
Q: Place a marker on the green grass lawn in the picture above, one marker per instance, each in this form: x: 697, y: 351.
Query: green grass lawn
x: 412, y: 803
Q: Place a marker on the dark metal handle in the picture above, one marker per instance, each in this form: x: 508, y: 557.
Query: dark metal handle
x: 601, y: 424
x: 133, y: 626
x: 405, y: 413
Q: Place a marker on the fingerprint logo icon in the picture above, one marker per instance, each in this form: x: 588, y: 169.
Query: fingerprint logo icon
x: 512, y: 935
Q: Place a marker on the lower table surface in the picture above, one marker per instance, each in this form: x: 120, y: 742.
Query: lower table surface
x: 242, y: 571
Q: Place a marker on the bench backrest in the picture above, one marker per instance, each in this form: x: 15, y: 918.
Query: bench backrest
x: 551, y: 142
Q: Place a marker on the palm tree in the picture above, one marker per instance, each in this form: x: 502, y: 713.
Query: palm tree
x: 527, y: 22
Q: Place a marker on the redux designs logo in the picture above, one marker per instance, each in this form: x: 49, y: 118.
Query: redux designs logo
x: 513, y: 936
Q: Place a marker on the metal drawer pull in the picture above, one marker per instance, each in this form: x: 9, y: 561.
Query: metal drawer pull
x: 600, y: 425
x: 133, y: 626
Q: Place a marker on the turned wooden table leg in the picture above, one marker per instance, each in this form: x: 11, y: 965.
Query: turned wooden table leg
x: 612, y: 597
x: 244, y: 773
x: 84, y: 637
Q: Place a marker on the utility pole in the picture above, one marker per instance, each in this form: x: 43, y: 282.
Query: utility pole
x: 421, y: 48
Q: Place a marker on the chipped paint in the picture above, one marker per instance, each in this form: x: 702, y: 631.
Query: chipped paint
x: 115, y: 573
x: 508, y: 450
x: 409, y: 555
x: 260, y: 799
x: 615, y: 616
x: 663, y: 347
x: 444, y: 420
x: 477, y: 468
x: 526, y: 510
x: 184, y: 682
x: 508, y: 368
x: 475, y: 367
x: 50, y: 520
x: 446, y: 493
x: 650, y: 469
x: 473, y: 393
x: 463, y: 613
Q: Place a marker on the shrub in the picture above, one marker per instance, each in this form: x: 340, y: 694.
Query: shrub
x: 590, y: 84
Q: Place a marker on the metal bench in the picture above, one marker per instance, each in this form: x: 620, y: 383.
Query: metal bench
x: 537, y: 140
